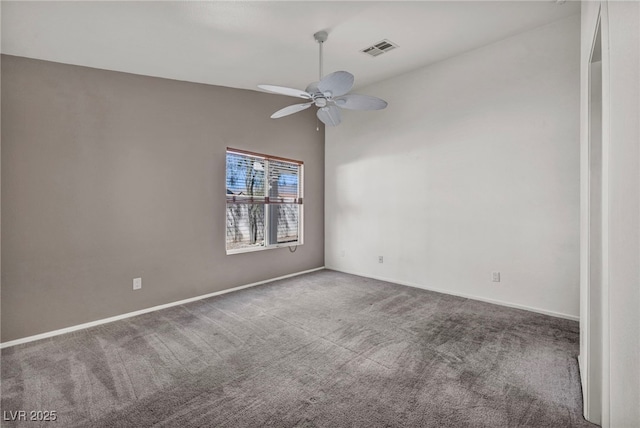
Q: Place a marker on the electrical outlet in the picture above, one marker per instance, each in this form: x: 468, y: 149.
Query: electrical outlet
x: 137, y: 283
x: 380, y: 259
x: 495, y: 276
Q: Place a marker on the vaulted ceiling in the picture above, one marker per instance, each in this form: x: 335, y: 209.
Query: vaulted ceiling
x: 241, y: 44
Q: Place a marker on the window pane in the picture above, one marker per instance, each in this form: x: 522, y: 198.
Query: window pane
x: 245, y: 175
x: 288, y: 223
x: 283, y: 181
x: 245, y: 226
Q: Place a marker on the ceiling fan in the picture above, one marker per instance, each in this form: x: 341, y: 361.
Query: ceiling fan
x: 330, y: 94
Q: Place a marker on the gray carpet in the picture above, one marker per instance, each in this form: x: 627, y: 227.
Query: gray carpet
x: 320, y: 350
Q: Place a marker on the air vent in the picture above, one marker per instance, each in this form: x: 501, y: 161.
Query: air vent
x: 380, y: 48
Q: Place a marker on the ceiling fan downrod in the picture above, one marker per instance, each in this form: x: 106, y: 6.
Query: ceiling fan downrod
x: 321, y: 37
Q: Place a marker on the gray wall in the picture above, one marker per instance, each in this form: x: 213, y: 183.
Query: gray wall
x: 108, y: 176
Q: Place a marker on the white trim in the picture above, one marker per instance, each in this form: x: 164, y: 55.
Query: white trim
x: 466, y: 296
x: 264, y: 247
x: 605, y: 420
x: 144, y: 311
x: 587, y: 356
x: 582, y: 373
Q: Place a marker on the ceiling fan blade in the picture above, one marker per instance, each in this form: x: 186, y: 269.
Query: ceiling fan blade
x: 330, y: 115
x: 290, y: 110
x: 360, y: 102
x: 285, y: 91
x: 338, y: 83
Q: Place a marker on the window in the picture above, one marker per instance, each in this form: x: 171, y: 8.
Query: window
x: 264, y: 201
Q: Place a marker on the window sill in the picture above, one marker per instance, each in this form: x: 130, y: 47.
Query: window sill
x: 262, y: 248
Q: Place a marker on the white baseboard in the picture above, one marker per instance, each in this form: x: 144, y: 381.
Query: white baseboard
x: 217, y: 293
x: 466, y: 296
x: 144, y: 311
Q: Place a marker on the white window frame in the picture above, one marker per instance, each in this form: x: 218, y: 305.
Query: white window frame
x: 299, y: 201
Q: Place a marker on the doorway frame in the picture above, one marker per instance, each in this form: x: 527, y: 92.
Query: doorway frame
x: 593, y: 384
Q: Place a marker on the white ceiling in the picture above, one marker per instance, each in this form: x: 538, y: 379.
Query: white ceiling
x: 242, y: 44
